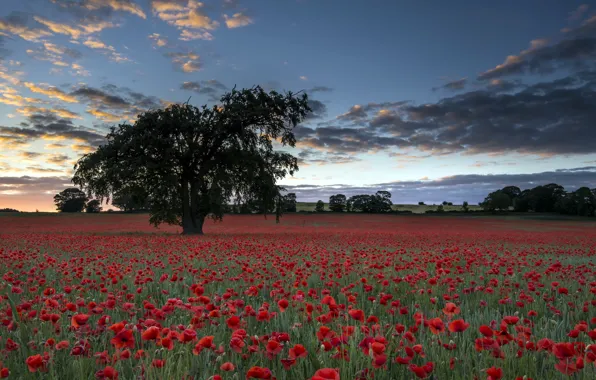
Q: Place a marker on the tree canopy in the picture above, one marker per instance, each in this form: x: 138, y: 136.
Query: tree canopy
x: 190, y: 162
x: 70, y: 200
x: 337, y: 202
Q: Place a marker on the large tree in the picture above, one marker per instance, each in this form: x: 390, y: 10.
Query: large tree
x: 70, y: 200
x: 191, y: 161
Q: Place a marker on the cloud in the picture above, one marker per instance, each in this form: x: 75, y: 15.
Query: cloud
x: 34, y: 185
x: 95, y: 43
x: 54, y: 53
x: 212, y: 88
x: 60, y: 112
x: 319, y: 89
x: 158, y: 40
x: 311, y: 156
x: 358, y: 113
x: 575, y: 49
x: 117, y: 5
x: 187, y: 16
x: 457, y: 188
x: 99, y: 97
x: 189, y: 35
x: 578, y: 13
x: 104, y: 116
x: 30, y: 155
x: 456, y: 85
x: 83, y: 29
x: 15, y: 24
x: 186, y: 62
x: 319, y: 110
x: 50, y: 91
x: 303, y: 78
x: 58, y: 159
x: 237, y: 20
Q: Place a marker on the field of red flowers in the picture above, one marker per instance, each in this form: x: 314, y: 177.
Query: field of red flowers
x: 315, y: 297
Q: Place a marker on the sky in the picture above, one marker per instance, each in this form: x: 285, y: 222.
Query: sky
x: 431, y: 101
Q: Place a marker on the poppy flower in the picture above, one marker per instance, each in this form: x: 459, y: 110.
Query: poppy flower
x: 107, y: 373
x: 326, y: 374
x: 36, y: 363
x: 451, y: 309
x: 124, y: 339
x: 258, y: 373
x: 151, y: 333
x: 298, y: 351
x: 79, y: 320
x: 436, y: 325
x: 458, y: 325
x: 494, y: 373
x: 227, y: 366
x: 357, y: 314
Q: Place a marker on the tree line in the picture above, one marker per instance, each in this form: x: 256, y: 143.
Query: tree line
x: 545, y: 198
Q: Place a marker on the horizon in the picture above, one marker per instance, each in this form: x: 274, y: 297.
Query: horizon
x: 441, y: 102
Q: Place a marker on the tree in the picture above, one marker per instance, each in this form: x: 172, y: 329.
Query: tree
x: 465, y: 206
x: 421, y: 203
x: 377, y: 203
x: 70, y: 200
x: 445, y: 203
x: 337, y: 203
x: 512, y: 192
x: 93, y: 206
x: 8, y: 210
x: 544, y: 198
x: 128, y: 200
x: 320, y: 206
x: 289, y: 202
x: 496, y: 200
x: 192, y: 161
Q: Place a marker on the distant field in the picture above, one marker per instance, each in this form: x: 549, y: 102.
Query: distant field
x: 310, y: 206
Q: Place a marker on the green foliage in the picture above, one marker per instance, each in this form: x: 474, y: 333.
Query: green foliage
x: 320, y: 206
x: 377, y: 203
x: 289, y: 202
x: 8, y: 210
x: 421, y: 203
x: 337, y: 203
x: 93, y: 206
x: 129, y: 200
x: 581, y: 202
x: 465, y: 206
x: 70, y: 200
x: 190, y: 162
x: 441, y: 208
x: 497, y: 200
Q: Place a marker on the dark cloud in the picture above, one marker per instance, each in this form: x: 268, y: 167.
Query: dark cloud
x: 319, y: 89
x: 48, y: 126
x: 95, y: 95
x: 359, y: 113
x: 316, y: 157
x: 212, y: 88
x: 576, y: 50
x: 546, y: 118
x: 456, y: 85
x: 34, y: 185
x: 458, y: 188
x: 319, y: 110
x: 58, y: 159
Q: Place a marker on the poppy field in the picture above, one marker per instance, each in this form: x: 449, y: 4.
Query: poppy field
x: 315, y: 297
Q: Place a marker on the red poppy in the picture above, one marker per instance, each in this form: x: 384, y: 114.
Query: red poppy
x: 227, y: 366
x: 258, y: 373
x: 451, y: 309
x: 79, y: 320
x: 151, y: 333
x: 124, y: 339
x: 436, y: 325
x: 326, y: 374
x: 458, y: 325
x: 107, y: 373
x: 494, y: 373
x: 298, y: 351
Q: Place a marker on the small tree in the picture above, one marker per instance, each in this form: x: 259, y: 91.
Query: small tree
x: 289, y: 202
x: 70, y: 200
x: 445, y: 203
x: 337, y: 203
x: 421, y: 203
x: 93, y: 206
x: 440, y: 208
x: 465, y: 207
x: 320, y: 206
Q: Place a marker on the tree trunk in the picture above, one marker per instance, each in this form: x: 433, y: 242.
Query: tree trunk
x: 190, y: 227
x: 192, y: 222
